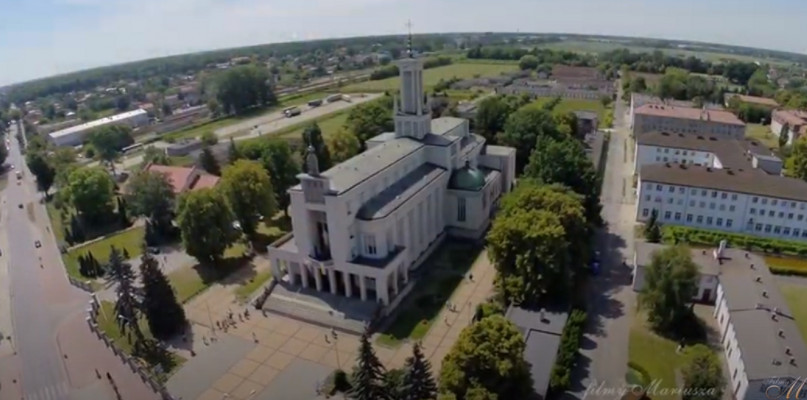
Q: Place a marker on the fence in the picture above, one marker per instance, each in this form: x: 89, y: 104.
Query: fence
x: 85, y: 286
x: 131, y: 362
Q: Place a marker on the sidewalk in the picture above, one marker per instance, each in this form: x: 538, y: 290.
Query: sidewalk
x: 6, y: 328
x: 447, y: 324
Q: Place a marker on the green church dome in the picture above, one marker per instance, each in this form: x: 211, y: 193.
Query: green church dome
x: 467, y: 178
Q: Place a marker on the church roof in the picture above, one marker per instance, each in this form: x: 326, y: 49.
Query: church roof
x: 399, y: 192
x: 467, y: 178
x: 443, y: 125
x: 355, y: 170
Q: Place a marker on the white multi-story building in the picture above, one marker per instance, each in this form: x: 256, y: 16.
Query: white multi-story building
x: 703, y: 150
x: 764, y: 350
x: 666, y: 118
x: 360, y: 227
x: 74, y: 135
x: 639, y: 99
x: 744, y: 200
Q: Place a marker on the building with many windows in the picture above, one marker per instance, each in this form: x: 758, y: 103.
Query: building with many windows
x: 703, y: 150
x: 666, y: 118
x: 742, y: 200
x: 639, y: 99
x: 361, y: 227
x: 791, y: 123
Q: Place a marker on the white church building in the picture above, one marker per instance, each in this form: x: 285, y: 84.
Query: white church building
x: 361, y: 227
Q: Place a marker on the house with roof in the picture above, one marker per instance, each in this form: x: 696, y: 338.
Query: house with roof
x: 764, y: 102
x: 707, y: 271
x: 363, y: 226
x: 639, y: 99
x: 184, y: 179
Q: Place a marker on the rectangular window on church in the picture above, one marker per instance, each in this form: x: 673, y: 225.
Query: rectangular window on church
x: 461, y: 209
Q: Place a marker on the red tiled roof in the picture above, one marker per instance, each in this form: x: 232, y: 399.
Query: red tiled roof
x: 184, y: 178
x: 205, y: 181
x: 689, y: 113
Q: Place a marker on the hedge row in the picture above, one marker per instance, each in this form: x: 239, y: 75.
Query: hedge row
x: 567, y: 352
x: 793, y: 271
x: 681, y: 234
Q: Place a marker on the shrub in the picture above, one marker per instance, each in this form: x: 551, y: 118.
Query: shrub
x: 567, y: 351
x: 704, y: 237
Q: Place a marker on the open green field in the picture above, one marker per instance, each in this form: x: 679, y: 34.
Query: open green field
x: 433, y: 75
x: 447, y: 267
x: 570, y: 105
x: 194, y: 279
x: 763, y: 134
x: 586, y: 46
x: 655, y: 354
x: 796, y: 297
x: 129, y: 241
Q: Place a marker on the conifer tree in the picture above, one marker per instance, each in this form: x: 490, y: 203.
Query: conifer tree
x: 126, y: 305
x: 368, y: 377
x: 164, y: 314
x: 418, y: 381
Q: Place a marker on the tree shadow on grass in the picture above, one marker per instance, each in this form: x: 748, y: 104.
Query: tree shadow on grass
x: 156, y: 356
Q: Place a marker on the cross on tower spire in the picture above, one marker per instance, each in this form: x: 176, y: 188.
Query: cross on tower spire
x: 409, y: 51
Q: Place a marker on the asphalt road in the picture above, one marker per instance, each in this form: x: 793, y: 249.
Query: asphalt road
x: 41, y: 368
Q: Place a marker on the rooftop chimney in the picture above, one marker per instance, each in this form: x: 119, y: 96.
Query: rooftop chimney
x: 764, y: 293
x: 792, y: 361
x: 787, y: 350
x: 759, y: 278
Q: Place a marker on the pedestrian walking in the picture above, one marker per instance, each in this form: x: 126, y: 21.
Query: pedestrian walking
x: 471, y: 277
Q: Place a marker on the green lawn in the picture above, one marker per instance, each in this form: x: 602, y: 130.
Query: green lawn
x: 329, y: 124
x: 653, y: 353
x: 569, y: 105
x: 786, y: 263
x: 796, y: 297
x: 152, y: 356
x: 446, y: 270
x: 433, y: 75
x: 763, y: 134
x: 130, y: 240
x: 182, y: 161
x: 192, y: 280
x: 245, y: 291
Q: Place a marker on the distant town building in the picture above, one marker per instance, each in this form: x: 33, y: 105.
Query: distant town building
x: 654, y: 117
x: 74, y: 136
x: 587, y: 122
x: 792, y: 123
x: 361, y: 228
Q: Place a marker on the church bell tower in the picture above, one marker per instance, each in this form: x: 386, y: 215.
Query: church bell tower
x: 412, y: 115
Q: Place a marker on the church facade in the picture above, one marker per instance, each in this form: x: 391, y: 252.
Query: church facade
x: 361, y: 227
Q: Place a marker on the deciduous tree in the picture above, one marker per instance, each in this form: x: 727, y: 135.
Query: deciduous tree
x: 342, y: 145
x: 522, y: 130
x: 491, y: 115
x: 151, y: 195
x: 242, y: 87
x: 249, y: 193
x: 530, y: 252
x: 91, y: 192
x: 42, y: 169
x: 797, y: 163
x: 528, y: 62
x: 703, y: 375
x: 283, y: 166
x: 489, y: 355
x: 564, y: 161
x: 370, y: 119
x: 670, y: 282
x: 208, y: 161
x: 206, y: 223
x: 108, y: 141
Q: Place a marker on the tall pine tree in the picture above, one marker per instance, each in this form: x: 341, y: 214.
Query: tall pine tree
x: 164, y: 314
x: 368, y: 377
x: 418, y: 382
x: 126, y: 305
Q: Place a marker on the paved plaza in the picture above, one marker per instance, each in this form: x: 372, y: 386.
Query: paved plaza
x: 258, y: 357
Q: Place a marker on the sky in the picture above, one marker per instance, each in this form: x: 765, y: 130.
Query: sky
x: 40, y: 38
